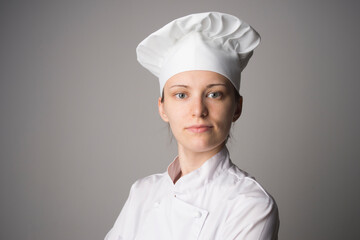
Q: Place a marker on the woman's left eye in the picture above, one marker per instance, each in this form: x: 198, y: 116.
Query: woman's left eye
x: 214, y: 94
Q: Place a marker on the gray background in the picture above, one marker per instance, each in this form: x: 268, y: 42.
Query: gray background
x: 79, y: 121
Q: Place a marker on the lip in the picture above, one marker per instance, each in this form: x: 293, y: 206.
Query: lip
x: 199, y: 128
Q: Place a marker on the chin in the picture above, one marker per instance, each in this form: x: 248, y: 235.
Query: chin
x: 202, y: 146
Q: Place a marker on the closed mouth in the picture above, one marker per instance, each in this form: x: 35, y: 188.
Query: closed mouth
x: 199, y: 128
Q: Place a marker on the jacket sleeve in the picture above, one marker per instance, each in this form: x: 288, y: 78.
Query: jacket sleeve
x: 124, y: 222
x: 259, y: 220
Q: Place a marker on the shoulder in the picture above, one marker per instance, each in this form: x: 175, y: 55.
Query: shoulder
x: 149, y: 184
x: 245, y: 193
x: 249, y: 205
x: 150, y: 180
x: 242, y: 183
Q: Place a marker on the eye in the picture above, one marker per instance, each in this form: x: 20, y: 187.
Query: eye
x: 215, y: 95
x: 180, y: 95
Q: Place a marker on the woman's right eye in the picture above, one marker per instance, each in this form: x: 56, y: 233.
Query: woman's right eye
x: 180, y: 95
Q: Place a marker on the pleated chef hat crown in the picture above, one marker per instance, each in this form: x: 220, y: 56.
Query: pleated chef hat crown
x: 210, y: 41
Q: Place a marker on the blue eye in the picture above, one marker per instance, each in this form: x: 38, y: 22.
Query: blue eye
x: 214, y: 94
x: 180, y: 95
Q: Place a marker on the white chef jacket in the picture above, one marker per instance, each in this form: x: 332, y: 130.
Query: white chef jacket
x: 217, y: 201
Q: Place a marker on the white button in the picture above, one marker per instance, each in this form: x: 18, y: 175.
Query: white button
x: 197, y: 214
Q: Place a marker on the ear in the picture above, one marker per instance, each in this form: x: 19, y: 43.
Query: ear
x: 238, y: 109
x: 162, y: 111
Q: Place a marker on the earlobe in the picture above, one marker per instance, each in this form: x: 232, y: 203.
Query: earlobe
x: 162, y: 111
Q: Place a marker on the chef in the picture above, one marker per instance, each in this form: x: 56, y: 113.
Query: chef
x: 198, y: 60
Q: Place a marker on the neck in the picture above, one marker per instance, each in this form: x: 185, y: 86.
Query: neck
x: 190, y: 160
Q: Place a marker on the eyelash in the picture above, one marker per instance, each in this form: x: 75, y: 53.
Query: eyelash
x: 219, y: 95
x: 177, y: 95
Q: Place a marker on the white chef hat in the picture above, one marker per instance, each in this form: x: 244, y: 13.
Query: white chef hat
x: 210, y: 41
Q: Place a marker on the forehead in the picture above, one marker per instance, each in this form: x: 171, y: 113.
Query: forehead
x: 197, y: 78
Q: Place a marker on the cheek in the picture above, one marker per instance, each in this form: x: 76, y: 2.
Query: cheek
x: 223, y: 116
x: 175, y: 114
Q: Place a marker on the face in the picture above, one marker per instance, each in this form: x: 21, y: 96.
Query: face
x: 199, y: 107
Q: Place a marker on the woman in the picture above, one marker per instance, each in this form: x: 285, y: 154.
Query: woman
x: 202, y: 195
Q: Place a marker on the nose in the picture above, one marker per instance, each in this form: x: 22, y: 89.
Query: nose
x: 199, y: 108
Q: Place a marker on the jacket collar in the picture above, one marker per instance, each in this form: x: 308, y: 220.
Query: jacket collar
x: 208, y: 171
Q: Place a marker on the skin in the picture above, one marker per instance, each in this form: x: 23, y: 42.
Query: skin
x: 200, y: 107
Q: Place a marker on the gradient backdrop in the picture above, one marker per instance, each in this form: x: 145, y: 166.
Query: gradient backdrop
x: 79, y: 121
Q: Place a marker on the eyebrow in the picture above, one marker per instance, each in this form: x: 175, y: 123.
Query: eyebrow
x: 184, y: 86
x: 215, y: 84
x: 208, y: 86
